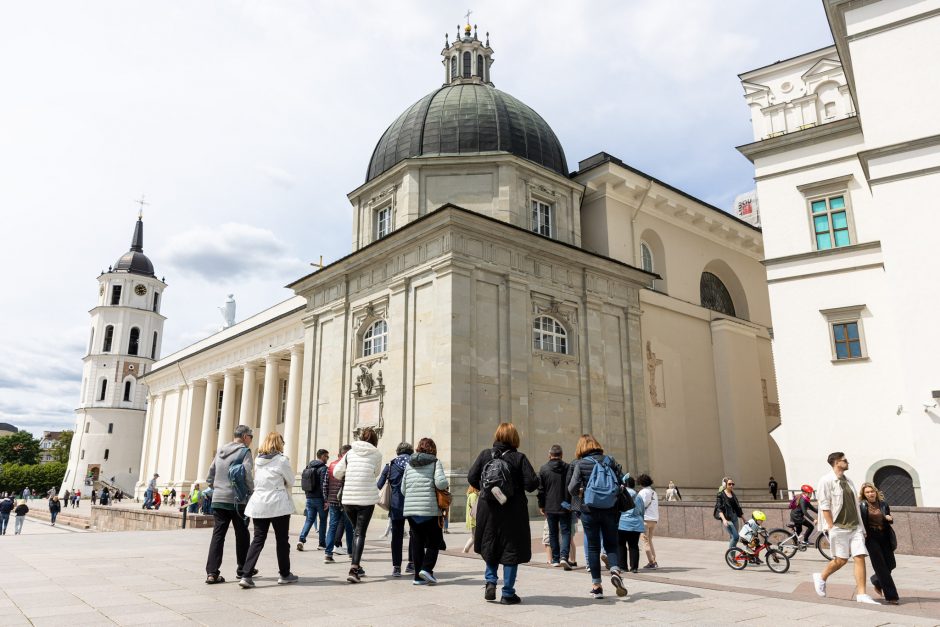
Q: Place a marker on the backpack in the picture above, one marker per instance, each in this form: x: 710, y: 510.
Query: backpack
x: 602, y: 487
x: 496, y: 473
x: 795, y: 501
x: 238, y: 477
x: 310, y: 479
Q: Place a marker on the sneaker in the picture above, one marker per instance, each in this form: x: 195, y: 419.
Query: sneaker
x: 565, y: 564
x: 819, y: 584
x: 247, y: 582
x: 419, y: 582
x: 633, y: 570
x: 428, y: 577
x: 362, y: 571
x: 572, y: 563
x: 554, y: 564
x: 410, y: 568
x: 353, y: 576
x: 618, y: 584
x: 597, y: 593
x: 864, y: 598
x: 605, y: 561
x: 490, y: 593
x: 396, y: 571
x: 650, y: 566
x: 328, y: 559
x: 510, y: 600
x: 300, y: 546
x: 288, y: 578
x: 321, y: 548
x: 340, y: 551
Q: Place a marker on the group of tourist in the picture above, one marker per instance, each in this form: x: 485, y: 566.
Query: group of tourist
x: 18, y: 509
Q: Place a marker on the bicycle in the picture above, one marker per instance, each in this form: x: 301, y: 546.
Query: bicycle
x: 788, y: 542
x: 776, y: 561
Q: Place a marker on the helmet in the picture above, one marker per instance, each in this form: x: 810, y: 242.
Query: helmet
x: 807, y: 489
x: 759, y: 515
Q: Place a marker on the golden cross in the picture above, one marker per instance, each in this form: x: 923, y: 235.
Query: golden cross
x: 468, y: 15
x: 141, y: 202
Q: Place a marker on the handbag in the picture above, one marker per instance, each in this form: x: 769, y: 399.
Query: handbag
x: 444, y: 499
x: 385, y: 496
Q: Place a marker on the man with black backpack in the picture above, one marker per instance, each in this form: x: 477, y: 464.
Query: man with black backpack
x: 313, y: 480
x: 231, y: 477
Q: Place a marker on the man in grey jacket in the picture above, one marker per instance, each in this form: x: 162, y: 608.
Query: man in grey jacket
x: 226, y: 507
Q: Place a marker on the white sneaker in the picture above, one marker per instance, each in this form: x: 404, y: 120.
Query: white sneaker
x: 339, y: 551
x: 865, y: 598
x: 819, y: 584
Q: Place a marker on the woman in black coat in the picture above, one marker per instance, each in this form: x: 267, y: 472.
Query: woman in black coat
x: 879, y: 540
x: 502, y: 533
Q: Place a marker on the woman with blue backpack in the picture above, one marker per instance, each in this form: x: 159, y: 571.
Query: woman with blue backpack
x: 596, y: 488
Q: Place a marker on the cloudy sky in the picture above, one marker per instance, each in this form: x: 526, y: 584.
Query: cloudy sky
x: 246, y: 123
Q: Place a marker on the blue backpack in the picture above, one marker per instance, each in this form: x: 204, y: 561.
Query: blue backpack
x: 238, y: 477
x: 602, y: 488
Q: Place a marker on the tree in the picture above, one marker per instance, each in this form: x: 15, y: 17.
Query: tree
x: 19, y: 448
x: 60, y: 452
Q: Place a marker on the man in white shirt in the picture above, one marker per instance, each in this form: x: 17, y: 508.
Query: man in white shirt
x: 841, y: 517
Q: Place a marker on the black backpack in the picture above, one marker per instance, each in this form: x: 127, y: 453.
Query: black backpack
x: 496, y: 473
x: 310, y: 479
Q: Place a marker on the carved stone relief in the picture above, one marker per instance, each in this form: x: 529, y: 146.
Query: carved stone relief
x: 657, y: 378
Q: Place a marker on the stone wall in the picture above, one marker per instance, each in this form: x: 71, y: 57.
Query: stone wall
x: 116, y: 519
x: 917, y: 528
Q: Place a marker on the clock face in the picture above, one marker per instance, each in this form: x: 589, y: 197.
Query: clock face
x: 141, y: 289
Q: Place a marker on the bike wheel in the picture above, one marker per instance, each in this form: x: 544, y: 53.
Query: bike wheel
x: 784, y: 541
x: 777, y: 561
x: 736, y: 559
x: 822, y: 545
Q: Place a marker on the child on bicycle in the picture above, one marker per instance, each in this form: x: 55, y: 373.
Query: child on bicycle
x: 752, y: 531
x: 800, y: 505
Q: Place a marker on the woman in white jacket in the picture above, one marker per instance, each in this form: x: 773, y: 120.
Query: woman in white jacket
x: 358, y: 470
x: 270, y: 505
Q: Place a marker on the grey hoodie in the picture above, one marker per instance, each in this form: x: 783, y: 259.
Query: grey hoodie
x: 222, y: 491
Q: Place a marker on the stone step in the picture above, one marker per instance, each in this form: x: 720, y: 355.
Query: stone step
x: 79, y: 522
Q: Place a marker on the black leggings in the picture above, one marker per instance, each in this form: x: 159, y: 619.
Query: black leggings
x: 798, y: 528
x: 628, y: 545
x: 281, y: 526
x: 359, y: 515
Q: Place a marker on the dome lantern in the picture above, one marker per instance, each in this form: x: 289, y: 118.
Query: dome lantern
x: 468, y: 59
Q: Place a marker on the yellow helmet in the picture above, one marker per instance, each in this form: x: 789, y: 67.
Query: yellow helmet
x: 759, y: 515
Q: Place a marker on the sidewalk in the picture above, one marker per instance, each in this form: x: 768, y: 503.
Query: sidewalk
x: 63, y: 577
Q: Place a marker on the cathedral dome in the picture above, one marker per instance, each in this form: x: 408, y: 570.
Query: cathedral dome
x: 468, y: 118
x: 134, y: 260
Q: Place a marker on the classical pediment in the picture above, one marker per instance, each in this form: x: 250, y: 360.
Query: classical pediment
x: 822, y: 67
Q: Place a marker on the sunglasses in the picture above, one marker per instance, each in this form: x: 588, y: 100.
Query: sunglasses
x: 730, y: 483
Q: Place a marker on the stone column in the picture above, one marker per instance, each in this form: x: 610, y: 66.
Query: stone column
x: 227, y: 426
x: 249, y: 397
x: 292, y: 419
x: 208, y: 435
x: 269, y: 397
x: 195, y: 408
x: 156, y: 435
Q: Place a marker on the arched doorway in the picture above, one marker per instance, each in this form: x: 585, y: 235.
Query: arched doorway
x: 897, y: 485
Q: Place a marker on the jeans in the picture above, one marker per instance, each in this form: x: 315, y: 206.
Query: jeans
x: 18, y: 525
x: 336, y: 514
x: 427, y: 539
x: 359, y: 515
x: 628, y: 555
x: 281, y: 525
x: 207, y: 505
x: 148, y: 500
x: 4, y: 521
x: 556, y: 521
x: 509, y: 577
x: 315, y: 512
x: 53, y: 514
x: 223, y: 518
x: 194, y: 508
x: 398, y: 539
x: 600, y: 525
x: 732, y: 529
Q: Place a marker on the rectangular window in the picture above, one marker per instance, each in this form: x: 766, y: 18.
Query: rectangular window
x: 83, y: 454
x: 156, y: 302
x: 110, y: 427
x: 108, y: 339
x: 115, y: 294
x: 87, y: 426
x: 846, y: 333
x: 282, y: 413
x: 542, y: 218
x: 218, y: 412
x: 383, y: 222
x: 846, y: 340
x: 830, y: 222
x: 107, y: 452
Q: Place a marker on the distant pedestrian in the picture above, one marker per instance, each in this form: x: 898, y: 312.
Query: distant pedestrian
x: 772, y: 484
x: 393, y: 473
x: 473, y: 498
x: 339, y: 522
x: 270, y: 506
x: 313, y: 481
x: 728, y: 510
x: 26, y: 493
x: 672, y: 492
x: 6, y: 506
x: 552, y: 495
x: 880, y: 540
x: 105, y: 498
x: 359, y: 470
x: 67, y: 498
x: 502, y: 536
x: 424, y: 476
x: 173, y: 496
x: 228, y: 504
x: 194, y: 499
x: 54, y: 508
x: 94, y: 497
x: 157, y: 500
x: 21, y: 510
x: 800, y: 506
x: 650, y: 517
x: 150, y: 491
x: 630, y: 528
x: 207, y: 501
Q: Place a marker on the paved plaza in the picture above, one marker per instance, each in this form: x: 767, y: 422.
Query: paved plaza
x: 62, y: 576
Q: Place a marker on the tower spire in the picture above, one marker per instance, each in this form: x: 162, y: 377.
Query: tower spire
x: 137, y: 241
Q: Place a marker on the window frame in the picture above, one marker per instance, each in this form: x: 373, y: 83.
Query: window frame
x: 378, y: 219
x: 825, y: 191
x: 558, y: 332
x: 107, y: 342
x: 102, y: 391
x: 844, y: 316
x: 133, y: 342
x: 116, y: 293
x: 647, y: 251
x: 535, y: 217
x: 369, y: 337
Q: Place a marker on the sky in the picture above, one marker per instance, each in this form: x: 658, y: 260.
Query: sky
x: 245, y: 124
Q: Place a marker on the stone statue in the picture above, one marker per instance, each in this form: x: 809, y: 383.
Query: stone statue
x: 364, y: 382
x: 228, y: 312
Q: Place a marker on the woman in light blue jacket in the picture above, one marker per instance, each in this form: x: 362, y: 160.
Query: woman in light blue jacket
x: 631, y: 527
x: 424, y: 476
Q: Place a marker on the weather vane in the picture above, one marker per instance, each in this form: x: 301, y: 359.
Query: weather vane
x: 141, y: 202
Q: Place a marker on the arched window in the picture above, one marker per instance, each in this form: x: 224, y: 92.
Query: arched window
x: 375, y: 339
x: 103, y: 390
x: 108, y: 338
x: 646, y: 257
x: 133, y: 343
x: 549, y: 335
x: 897, y: 485
x: 156, y: 302
x: 153, y: 347
x: 453, y: 68
x: 480, y: 65
x: 467, y: 57
x: 127, y: 390
x: 715, y: 295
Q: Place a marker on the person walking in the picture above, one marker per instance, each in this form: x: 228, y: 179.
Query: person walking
x: 672, y: 492
x: 334, y: 533
x: 173, y: 496
x: 772, y: 484
x: 21, y: 510
x: 313, y: 480
x: 630, y: 528
x: 553, y: 492
x: 228, y: 506
x: 150, y: 491
x: 424, y: 477
x: 650, y: 518
x: 502, y: 536
x: 359, y: 470
x: 270, y: 506
x: 599, y: 512
x: 473, y: 497
x: 728, y: 510
x: 105, y: 497
x: 54, y: 508
x: 880, y: 541
x: 394, y: 473
x: 841, y: 515
x: 194, y: 499
x: 94, y: 497
x: 6, y: 506
x: 27, y: 494
x: 207, y: 501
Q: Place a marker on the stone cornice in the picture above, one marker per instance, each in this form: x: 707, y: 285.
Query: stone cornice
x: 818, y: 254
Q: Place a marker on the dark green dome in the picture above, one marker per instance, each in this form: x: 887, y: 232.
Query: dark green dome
x: 467, y: 119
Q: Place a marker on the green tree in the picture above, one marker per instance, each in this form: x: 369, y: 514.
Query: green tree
x: 19, y: 448
x: 60, y: 452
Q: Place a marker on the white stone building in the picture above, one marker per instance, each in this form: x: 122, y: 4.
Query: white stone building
x: 847, y: 162
x: 125, y: 338
x: 487, y: 283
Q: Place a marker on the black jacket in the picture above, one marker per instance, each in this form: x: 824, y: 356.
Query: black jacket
x: 318, y: 469
x: 6, y: 506
x: 580, y: 472
x: 553, y: 487
x: 728, y: 506
x: 885, y: 511
x: 502, y: 533
x: 22, y: 509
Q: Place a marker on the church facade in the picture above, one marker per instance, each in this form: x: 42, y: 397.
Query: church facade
x: 487, y: 283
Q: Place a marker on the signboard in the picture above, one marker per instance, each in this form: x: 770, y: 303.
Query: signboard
x: 746, y: 208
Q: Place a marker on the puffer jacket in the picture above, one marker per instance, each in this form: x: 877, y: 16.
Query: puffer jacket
x: 274, y: 478
x: 222, y: 491
x: 580, y: 473
x: 394, y: 472
x: 358, y: 470
x: 423, y: 474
